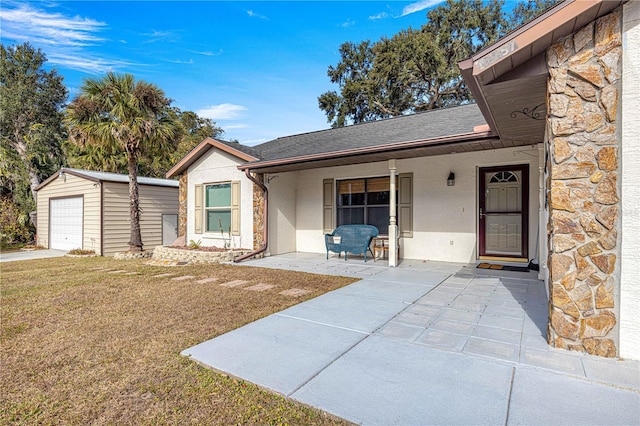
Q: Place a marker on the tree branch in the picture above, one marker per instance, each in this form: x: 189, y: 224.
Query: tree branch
x: 386, y: 110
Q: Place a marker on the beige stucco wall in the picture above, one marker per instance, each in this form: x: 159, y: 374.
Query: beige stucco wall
x: 69, y: 186
x: 154, y: 202
x: 630, y: 200
x: 218, y: 166
x: 282, y: 212
x: 441, y: 214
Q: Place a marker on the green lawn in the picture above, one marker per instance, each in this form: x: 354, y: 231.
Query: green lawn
x: 81, y: 345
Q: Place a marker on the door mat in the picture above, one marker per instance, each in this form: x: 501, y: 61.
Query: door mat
x: 503, y: 267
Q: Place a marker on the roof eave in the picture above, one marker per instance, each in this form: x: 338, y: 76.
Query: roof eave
x: 551, y: 24
x: 466, y: 69
x: 443, y: 140
x: 66, y: 171
x: 502, y: 42
x: 202, y: 148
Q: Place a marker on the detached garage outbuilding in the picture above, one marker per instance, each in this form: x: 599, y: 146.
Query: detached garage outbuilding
x: 90, y: 210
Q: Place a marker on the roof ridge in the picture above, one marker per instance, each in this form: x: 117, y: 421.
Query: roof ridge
x: 366, y: 122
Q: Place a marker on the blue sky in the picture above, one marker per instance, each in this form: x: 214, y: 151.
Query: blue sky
x: 255, y: 68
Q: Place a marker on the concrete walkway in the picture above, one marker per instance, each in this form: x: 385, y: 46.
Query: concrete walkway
x: 30, y: 255
x: 425, y: 343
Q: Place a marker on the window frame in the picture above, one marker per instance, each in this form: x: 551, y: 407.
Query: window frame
x: 404, y: 213
x: 365, y: 206
x: 206, y: 209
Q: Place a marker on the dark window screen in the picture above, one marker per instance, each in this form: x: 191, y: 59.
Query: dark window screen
x: 364, y: 201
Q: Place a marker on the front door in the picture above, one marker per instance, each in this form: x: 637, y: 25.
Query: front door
x: 503, y: 211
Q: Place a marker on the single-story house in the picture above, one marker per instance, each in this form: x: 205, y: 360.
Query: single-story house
x: 90, y: 210
x: 544, y: 168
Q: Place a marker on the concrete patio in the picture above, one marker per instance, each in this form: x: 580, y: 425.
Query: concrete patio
x: 424, y: 343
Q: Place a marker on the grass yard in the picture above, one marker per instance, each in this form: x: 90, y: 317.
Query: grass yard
x: 81, y: 345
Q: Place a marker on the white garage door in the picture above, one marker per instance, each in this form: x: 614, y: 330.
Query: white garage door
x: 66, y: 223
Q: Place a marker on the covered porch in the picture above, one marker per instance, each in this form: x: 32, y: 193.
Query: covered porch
x: 464, y: 206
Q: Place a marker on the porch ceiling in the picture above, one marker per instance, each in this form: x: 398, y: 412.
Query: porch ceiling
x: 486, y: 141
x: 519, y: 108
x: 508, y: 79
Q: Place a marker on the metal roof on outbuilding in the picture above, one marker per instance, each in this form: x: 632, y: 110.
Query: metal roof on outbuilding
x: 110, y: 177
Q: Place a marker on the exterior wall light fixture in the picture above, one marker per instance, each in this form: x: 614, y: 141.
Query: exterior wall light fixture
x: 451, y: 179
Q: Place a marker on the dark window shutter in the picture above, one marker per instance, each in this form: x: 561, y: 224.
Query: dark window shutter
x: 327, y: 206
x: 405, y: 205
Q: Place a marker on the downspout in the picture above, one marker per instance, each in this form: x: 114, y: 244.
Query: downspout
x: 265, y: 234
x: 101, y: 219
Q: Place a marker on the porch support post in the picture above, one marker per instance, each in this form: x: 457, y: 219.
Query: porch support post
x: 543, y: 217
x: 393, y: 226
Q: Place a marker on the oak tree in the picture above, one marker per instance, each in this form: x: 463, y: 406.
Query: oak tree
x: 417, y: 69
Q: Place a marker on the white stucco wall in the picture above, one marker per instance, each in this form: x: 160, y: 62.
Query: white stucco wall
x: 630, y: 199
x: 309, y: 232
x: 444, y: 214
x: 441, y: 214
x: 282, y: 212
x: 218, y: 166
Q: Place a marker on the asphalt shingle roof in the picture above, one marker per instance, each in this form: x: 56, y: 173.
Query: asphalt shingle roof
x: 242, y: 148
x: 420, y: 126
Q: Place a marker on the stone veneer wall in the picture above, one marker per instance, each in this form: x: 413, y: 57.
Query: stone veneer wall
x: 584, y: 203
x: 195, y: 256
x: 258, y: 214
x: 182, y: 205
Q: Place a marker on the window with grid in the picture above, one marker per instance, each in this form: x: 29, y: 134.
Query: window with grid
x: 364, y: 201
x: 218, y: 207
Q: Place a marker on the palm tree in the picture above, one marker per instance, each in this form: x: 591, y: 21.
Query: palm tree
x: 117, y: 110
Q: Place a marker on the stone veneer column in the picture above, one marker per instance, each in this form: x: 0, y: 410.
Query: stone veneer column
x: 258, y: 214
x: 584, y: 203
x: 182, y: 205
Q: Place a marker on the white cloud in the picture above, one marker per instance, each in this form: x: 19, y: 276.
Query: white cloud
x: 207, y: 52
x: 224, y: 111
x: 85, y: 62
x: 25, y: 23
x: 162, y: 36
x: 159, y: 34
x: 236, y: 126
x: 181, y: 62
x: 380, y: 15
x: 418, y: 6
x: 256, y: 15
x: 66, y: 39
x: 348, y: 23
